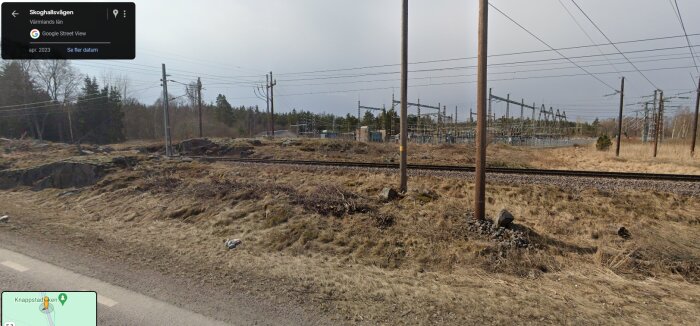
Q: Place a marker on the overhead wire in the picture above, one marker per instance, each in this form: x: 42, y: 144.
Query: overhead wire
x: 490, y: 56
x: 74, y: 99
x: 552, y: 48
x: 584, y: 31
x: 471, y: 75
x: 474, y: 66
x: 615, y: 46
x: 687, y: 39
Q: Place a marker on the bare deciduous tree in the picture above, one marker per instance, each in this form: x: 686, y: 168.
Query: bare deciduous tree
x: 60, y: 81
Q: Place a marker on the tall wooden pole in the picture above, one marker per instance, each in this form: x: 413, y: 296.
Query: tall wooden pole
x: 404, y: 98
x: 480, y: 172
x: 619, y: 119
x: 272, y: 105
x: 199, y: 104
x: 267, y: 101
x: 657, y: 128
x: 455, y: 124
x: 166, y: 115
x: 695, y: 123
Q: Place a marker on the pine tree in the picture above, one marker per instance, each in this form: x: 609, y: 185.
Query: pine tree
x: 99, y: 116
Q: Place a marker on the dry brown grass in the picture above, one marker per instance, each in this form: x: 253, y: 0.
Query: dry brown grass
x: 322, y: 234
x: 411, y: 261
x: 672, y: 157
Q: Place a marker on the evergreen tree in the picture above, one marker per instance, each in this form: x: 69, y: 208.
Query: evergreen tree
x: 99, y: 116
x: 16, y: 88
x: 224, y: 111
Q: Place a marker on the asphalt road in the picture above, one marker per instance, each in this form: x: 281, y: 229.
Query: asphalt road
x: 116, y: 305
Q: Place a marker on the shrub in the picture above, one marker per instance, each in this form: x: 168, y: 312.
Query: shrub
x: 603, y: 143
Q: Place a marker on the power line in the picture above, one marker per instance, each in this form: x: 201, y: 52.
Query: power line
x: 52, y: 103
x: 680, y: 19
x: 215, y: 64
x: 472, y: 75
x: 584, y: 32
x: 77, y: 99
x: 186, y: 73
x: 490, y: 56
x: 615, y: 46
x: 490, y: 80
x: 473, y: 67
x: 233, y: 80
x: 553, y: 49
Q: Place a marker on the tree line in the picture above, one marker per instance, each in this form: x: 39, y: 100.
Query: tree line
x: 51, y: 100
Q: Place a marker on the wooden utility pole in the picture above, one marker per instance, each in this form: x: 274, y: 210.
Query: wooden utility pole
x: 267, y: 102
x: 533, y: 119
x: 419, y: 125
x: 455, y: 123
x: 444, y: 122
x: 271, y: 87
x: 359, y: 119
x: 404, y: 98
x: 439, y: 122
x: 480, y: 171
x: 70, y: 123
x: 199, y: 104
x: 507, y: 123
x: 695, y: 122
x: 619, y: 120
x: 166, y: 115
x: 657, y: 130
x: 645, y: 130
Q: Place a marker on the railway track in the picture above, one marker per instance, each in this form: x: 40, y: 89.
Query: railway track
x: 453, y: 168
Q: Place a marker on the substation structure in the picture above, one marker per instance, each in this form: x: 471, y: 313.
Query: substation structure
x: 522, y: 124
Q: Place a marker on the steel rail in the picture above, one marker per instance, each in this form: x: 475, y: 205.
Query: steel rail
x: 454, y: 168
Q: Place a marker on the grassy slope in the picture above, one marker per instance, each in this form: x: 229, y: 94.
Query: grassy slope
x: 409, y: 261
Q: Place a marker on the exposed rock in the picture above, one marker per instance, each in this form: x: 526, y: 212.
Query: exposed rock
x: 151, y: 149
x: 624, y: 233
x: 204, y: 146
x: 53, y: 175
x: 247, y: 153
x: 506, y: 238
x: 105, y: 149
x: 505, y: 219
x: 196, y: 146
x: 125, y: 161
x: 233, y: 243
x: 290, y: 142
x: 388, y: 194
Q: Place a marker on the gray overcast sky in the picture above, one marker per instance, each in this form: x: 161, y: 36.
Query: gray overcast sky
x: 228, y: 42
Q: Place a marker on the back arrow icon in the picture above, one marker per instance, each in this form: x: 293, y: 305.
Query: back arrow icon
x: 14, y: 13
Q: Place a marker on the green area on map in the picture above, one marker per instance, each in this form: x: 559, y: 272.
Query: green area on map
x: 63, y: 309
